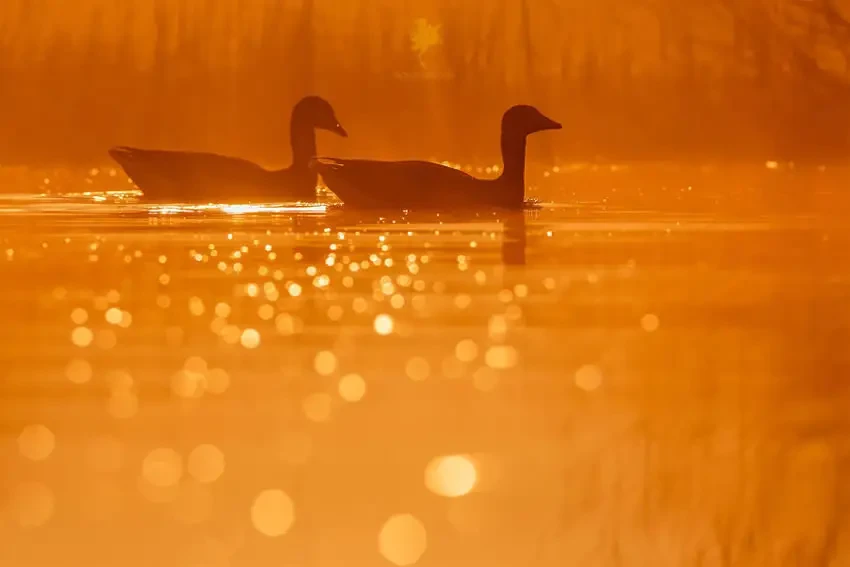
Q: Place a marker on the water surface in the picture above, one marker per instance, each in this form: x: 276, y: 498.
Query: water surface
x: 647, y: 374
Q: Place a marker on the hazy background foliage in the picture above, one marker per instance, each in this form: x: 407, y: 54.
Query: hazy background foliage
x: 631, y: 79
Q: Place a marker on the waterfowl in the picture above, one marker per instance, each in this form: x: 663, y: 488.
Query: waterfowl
x: 195, y: 176
x: 366, y: 184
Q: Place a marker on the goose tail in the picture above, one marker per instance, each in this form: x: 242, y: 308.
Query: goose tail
x: 124, y: 154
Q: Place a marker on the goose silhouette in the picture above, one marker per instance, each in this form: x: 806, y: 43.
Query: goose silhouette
x: 367, y: 184
x: 196, y: 176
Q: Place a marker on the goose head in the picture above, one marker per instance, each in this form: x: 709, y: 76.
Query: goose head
x: 319, y: 114
x: 523, y: 120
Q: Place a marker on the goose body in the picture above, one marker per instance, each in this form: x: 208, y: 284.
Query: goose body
x: 205, y: 177
x: 368, y: 184
x: 194, y: 176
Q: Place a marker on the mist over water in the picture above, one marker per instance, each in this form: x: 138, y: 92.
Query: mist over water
x: 673, y: 80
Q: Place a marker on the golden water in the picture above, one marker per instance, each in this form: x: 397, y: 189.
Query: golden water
x: 592, y: 382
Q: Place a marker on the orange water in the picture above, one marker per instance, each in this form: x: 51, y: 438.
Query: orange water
x: 636, y: 376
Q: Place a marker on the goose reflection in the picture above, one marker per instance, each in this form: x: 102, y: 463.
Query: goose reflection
x: 514, y: 239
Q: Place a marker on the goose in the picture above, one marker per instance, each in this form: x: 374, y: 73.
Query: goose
x: 367, y: 184
x: 206, y: 177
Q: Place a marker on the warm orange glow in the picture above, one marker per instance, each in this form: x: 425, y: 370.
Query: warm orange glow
x: 634, y: 354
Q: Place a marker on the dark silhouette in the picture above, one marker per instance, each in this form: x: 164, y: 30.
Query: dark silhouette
x: 367, y: 184
x: 195, y: 176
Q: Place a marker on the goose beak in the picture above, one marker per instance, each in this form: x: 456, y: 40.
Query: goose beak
x: 339, y: 130
x: 551, y: 125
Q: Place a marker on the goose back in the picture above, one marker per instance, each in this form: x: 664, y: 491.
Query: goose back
x: 400, y: 184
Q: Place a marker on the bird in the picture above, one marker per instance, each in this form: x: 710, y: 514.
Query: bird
x: 408, y: 185
x: 206, y: 177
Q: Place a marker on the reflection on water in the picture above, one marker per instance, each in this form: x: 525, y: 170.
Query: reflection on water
x: 302, y: 385
x: 128, y: 202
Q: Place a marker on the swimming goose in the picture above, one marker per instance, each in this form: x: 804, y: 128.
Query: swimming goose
x: 366, y: 184
x: 195, y: 176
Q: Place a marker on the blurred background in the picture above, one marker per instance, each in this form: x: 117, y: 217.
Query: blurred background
x: 636, y: 79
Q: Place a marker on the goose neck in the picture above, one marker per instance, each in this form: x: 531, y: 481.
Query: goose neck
x: 513, y: 156
x: 303, y: 139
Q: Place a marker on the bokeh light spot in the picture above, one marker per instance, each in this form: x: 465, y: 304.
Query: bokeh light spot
x: 196, y: 306
x: 250, y: 338
x: 466, y: 350
x: 222, y: 310
x: 287, y: 325
x: 266, y: 312
x: 188, y: 384
x: 79, y: 316
x: 325, y: 363
x: 106, y: 339
x: 206, y: 463
x: 384, y: 325
x: 588, y: 377
x: 451, y: 476
x: 33, y: 504
x: 402, y: 540
x: 78, y: 371
x: 294, y: 289
x: 501, y: 357
x: 317, y: 407
x: 36, y: 442
x: 485, y: 379
x: 497, y: 327
x: 114, y: 316
x: 272, y: 513
x: 650, y: 322
x: 417, y: 369
x: 162, y: 468
x: 231, y: 334
x: 82, y: 336
x: 218, y: 381
x: 352, y: 388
